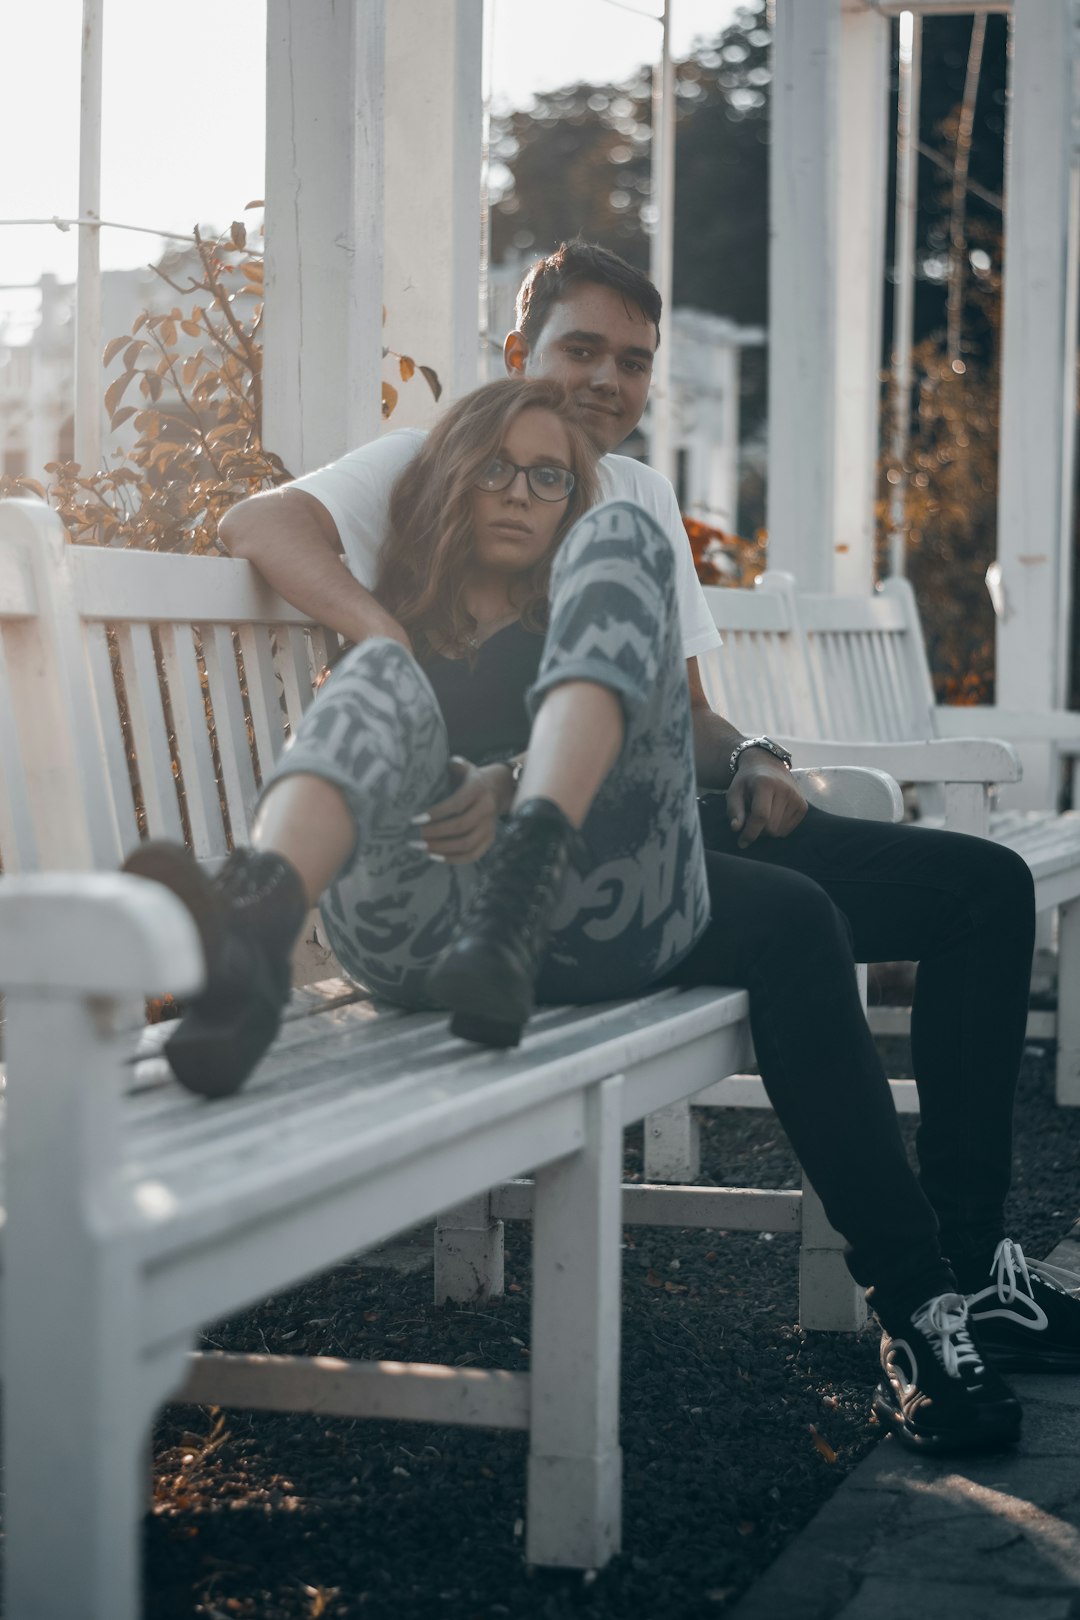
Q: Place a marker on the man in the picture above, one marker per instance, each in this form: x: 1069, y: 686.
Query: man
x: 797, y: 897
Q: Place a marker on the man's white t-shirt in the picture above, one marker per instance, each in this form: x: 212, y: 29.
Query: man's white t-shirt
x: 356, y: 492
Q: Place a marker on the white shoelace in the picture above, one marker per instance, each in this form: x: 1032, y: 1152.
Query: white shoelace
x: 1013, y: 1273
x: 943, y: 1322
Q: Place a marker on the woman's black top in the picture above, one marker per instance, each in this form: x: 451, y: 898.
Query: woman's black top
x: 484, y: 704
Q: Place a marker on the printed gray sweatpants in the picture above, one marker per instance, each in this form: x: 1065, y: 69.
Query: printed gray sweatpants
x: 638, y: 902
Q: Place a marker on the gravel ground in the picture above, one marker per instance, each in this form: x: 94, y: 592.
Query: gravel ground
x: 735, y: 1425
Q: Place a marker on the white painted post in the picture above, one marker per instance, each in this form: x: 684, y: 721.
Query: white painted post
x: 862, y: 159
x: 88, y: 371
x: 322, y: 358
x: 434, y: 142
x: 662, y: 248
x: 827, y: 199
x: 673, y: 1144
x: 1068, y: 1015
x: 1042, y: 191
x: 575, y: 1461
x: 468, y: 1253
x: 802, y: 289
x: 830, y: 1300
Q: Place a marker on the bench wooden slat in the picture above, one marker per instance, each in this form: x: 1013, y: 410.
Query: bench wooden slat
x: 264, y: 695
x: 146, y: 713
x: 234, y: 747
x: 115, y: 757
x: 190, y: 730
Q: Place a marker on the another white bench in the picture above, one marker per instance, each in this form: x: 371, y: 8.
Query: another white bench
x: 845, y: 680
x: 140, y: 694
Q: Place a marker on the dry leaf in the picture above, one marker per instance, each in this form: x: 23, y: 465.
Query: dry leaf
x: 822, y: 1444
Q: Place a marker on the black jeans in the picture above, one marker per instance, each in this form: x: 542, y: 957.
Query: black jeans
x: 790, y: 918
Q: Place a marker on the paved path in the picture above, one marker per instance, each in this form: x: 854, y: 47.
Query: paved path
x: 906, y: 1538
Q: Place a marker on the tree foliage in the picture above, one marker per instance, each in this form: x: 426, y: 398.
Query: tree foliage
x: 196, y: 407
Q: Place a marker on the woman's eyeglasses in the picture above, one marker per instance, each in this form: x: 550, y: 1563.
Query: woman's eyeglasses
x: 546, y: 483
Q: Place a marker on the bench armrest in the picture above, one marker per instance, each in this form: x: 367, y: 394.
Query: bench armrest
x: 1060, y: 726
x: 852, y: 791
x: 96, y: 934
x: 960, y: 759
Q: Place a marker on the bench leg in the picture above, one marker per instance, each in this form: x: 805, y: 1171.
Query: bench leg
x: 673, y: 1145
x: 575, y: 1461
x: 830, y: 1300
x: 468, y: 1253
x: 1068, y: 1013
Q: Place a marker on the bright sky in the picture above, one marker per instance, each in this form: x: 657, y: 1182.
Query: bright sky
x: 182, y: 136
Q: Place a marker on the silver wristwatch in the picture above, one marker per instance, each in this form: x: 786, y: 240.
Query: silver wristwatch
x: 769, y: 746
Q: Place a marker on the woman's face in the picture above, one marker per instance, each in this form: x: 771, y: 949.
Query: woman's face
x: 513, y: 528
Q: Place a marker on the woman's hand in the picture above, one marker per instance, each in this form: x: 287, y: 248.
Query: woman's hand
x: 461, y: 828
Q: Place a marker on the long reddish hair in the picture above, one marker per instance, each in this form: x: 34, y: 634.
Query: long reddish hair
x: 424, y: 565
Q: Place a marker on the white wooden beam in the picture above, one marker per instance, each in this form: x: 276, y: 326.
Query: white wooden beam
x: 938, y: 8
x: 323, y: 341
x: 827, y: 197
x: 418, y: 1392
x: 88, y: 370
x: 863, y: 162
x: 802, y: 289
x: 434, y: 129
x: 1038, y: 377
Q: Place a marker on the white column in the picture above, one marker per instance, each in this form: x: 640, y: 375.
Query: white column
x: 1038, y: 375
x: 89, y: 379
x: 323, y: 339
x: 827, y: 198
x: 662, y: 250
x: 802, y: 289
x: 434, y: 130
x: 860, y: 275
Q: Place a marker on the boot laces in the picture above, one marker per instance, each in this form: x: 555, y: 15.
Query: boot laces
x: 516, y: 885
x: 1013, y: 1273
x: 943, y: 1323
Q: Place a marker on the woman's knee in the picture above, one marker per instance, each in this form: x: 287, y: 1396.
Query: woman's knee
x: 622, y: 529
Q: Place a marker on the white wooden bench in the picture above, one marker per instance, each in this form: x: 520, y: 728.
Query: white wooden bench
x: 136, y: 1214
x: 849, y: 676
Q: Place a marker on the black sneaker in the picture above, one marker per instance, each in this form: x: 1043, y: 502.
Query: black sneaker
x: 1027, y: 1318
x: 486, y: 976
x: 248, y: 918
x: 936, y: 1393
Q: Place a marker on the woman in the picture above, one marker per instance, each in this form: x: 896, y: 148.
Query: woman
x: 420, y: 804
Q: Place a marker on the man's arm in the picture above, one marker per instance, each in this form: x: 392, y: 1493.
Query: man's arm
x: 762, y: 797
x: 293, y: 541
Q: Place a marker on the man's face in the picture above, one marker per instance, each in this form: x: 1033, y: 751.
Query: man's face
x: 599, y: 347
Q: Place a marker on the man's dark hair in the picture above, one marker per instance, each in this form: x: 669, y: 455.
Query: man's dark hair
x: 572, y: 265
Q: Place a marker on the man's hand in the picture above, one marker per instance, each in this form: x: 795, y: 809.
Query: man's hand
x: 763, y: 798
x: 461, y: 828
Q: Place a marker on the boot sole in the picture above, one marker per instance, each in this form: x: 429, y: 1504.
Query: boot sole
x: 986, y: 1439
x: 1008, y: 1359
x: 172, y: 867
x: 465, y: 989
x: 211, y: 1061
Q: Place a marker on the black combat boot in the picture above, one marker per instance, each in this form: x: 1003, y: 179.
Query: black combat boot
x: 486, y: 976
x: 249, y: 917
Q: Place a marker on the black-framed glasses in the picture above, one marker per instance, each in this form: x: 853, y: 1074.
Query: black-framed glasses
x: 546, y: 483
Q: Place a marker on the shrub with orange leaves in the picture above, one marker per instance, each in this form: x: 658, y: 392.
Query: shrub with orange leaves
x: 199, y: 449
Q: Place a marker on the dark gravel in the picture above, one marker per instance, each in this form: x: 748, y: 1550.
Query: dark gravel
x: 736, y: 1426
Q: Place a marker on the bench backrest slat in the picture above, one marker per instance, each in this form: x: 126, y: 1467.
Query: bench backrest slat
x: 230, y: 721
x: 263, y: 695
x: 118, y: 768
